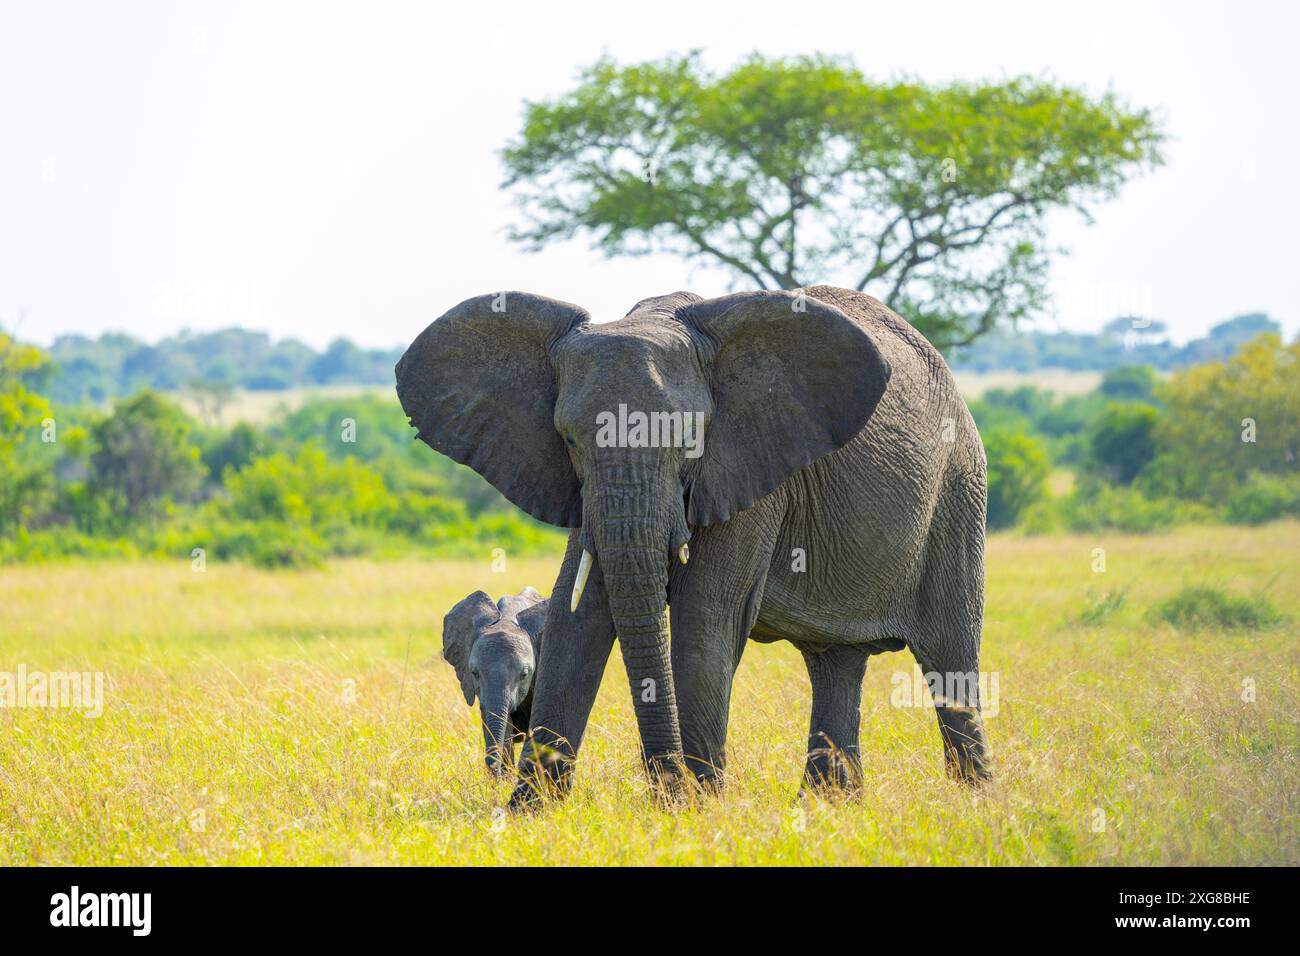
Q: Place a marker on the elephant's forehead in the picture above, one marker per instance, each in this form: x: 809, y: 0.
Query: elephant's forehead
x: 630, y: 342
x: 502, y: 642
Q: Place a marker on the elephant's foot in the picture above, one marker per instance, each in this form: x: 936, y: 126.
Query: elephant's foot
x: 525, y: 798
x: 832, y: 771
x: 668, y: 780
x: 533, y: 791
x: 545, y: 774
x: 707, y: 775
x: 965, y: 751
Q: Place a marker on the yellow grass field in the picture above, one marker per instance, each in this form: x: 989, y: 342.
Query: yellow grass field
x: 256, y: 717
x: 1059, y: 380
x: 261, y: 408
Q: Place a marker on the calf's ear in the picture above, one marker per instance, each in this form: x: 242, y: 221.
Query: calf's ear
x: 512, y: 604
x: 460, y: 629
x: 533, y: 620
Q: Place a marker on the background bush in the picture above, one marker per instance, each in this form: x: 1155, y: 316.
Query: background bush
x: 343, y: 475
x: 1263, y: 498
x: 1205, y: 608
x: 1018, y: 468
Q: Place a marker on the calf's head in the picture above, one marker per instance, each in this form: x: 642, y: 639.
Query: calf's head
x: 494, y: 648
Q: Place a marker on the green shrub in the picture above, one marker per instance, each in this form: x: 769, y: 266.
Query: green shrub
x: 282, y: 511
x: 143, y: 457
x: 1096, y: 505
x: 1130, y: 383
x: 307, y: 489
x: 1263, y: 498
x: 233, y: 449
x: 412, y: 513
x: 1226, y: 420
x: 1044, y: 517
x: 1205, y: 608
x: 516, y: 534
x: 1101, y: 608
x: 1121, y: 441
x: 51, y: 544
x: 1018, y: 470
x: 265, y: 544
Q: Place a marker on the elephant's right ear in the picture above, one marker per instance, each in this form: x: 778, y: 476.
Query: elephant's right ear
x: 794, y: 378
x: 460, y: 629
x: 478, y: 386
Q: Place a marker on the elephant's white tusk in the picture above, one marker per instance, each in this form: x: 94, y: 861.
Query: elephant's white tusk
x: 580, y: 582
x: 684, y: 553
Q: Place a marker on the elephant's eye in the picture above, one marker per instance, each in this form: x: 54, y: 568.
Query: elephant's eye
x: 568, y: 440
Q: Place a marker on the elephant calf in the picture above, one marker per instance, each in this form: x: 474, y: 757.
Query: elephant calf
x: 494, y: 648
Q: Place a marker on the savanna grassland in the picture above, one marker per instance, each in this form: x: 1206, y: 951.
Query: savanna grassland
x: 304, y: 717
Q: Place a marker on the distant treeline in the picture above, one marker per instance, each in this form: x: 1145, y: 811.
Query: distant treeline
x: 86, y: 369
x: 1122, y: 341
x: 341, y: 476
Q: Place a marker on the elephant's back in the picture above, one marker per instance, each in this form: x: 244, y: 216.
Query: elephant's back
x: 908, y: 352
x: 922, y: 397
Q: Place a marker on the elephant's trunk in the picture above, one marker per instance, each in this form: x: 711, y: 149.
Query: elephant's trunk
x: 496, y: 718
x: 631, y: 522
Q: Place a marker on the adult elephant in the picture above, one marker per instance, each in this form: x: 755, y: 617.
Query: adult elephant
x: 836, y: 501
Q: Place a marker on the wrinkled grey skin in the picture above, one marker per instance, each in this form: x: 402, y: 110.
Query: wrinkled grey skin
x: 832, y: 430
x: 494, y: 648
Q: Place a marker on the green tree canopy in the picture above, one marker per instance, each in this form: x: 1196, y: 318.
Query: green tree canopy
x: 21, y: 408
x: 1122, y: 440
x: 790, y: 172
x: 1018, y: 469
x: 21, y: 412
x: 1228, y: 419
x: 143, y: 456
x: 1130, y: 383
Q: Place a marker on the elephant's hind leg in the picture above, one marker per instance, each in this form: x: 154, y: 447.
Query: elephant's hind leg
x: 834, y: 760
x: 954, y: 684
x: 950, y: 619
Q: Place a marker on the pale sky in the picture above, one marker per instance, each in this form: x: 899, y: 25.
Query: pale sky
x: 324, y: 169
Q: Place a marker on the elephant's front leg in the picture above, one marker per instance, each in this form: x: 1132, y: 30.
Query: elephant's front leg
x: 834, y: 761
x: 714, y: 602
x: 570, y: 664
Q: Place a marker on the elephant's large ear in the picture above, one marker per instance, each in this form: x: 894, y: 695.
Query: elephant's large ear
x: 794, y: 378
x: 479, y: 387
x: 460, y: 629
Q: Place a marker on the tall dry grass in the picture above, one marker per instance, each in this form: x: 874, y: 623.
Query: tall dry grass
x: 305, y: 717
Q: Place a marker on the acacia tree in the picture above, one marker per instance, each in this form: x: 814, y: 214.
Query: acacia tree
x: 796, y: 171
